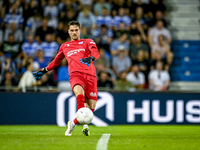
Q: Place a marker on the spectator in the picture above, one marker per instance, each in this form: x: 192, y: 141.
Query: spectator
x: 137, y: 45
x: 104, y: 81
x: 67, y: 5
x: 68, y: 16
x: 103, y: 37
x: 104, y: 18
x: 155, y: 5
x: 18, y: 34
x: 49, y: 47
x: 117, y: 4
x: 158, y: 16
x: 138, y: 28
x: 30, y: 47
x: 13, y: 17
x: 163, y: 48
x: 122, y: 29
x: 139, y: 15
x: 31, y: 60
x: 62, y: 33
x: 131, y: 7
x: 121, y: 18
x: 27, y: 80
x: 116, y: 43
x: 43, y: 30
x: 143, y: 4
x: 5, y: 7
x: 48, y: 80
x: 103, y: 59
x: 85, y: 33
x: 32, y: 24
x: 8, y: 65
x: 100, y: 5
x: 157, y: 57
x: 17, y: 6
x: 8, y: 82
x: 40, y: 59
x: 32, y: 9
x: 154, y: 33
x: 122, y: 62
x: 101, y: 68
x: 51, y: 12
x: 87, y: 19
x: 158, y: 79
x: 11, y: 47
x: 122, y: 84
x: 142, y: 63
x: 136, y: 77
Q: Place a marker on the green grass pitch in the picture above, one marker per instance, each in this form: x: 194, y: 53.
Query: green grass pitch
x: 129, y: 137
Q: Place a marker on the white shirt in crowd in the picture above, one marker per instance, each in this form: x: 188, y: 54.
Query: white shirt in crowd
x: 27, y: 80
x: 158, y: 78
x: 155, y: 33
x: 136, y: 80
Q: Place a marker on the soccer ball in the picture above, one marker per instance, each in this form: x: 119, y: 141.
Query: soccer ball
x: 84, y: 115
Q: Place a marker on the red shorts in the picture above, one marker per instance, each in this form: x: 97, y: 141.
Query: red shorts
x: 87, y: 81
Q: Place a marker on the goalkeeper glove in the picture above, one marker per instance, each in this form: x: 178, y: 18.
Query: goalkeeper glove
x: 38, y: 74
x: 87, y: 61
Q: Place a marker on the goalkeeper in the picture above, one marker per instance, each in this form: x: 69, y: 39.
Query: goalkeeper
x: 80, y: 54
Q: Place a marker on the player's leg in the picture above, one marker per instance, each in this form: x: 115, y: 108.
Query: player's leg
x: 90, y: 104
x: 80, y: 97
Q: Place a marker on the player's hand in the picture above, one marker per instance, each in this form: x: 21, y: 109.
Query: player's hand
x: 38, y: 74
x: 87, y: 61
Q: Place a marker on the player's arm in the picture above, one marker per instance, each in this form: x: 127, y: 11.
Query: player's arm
x: 59, y: 57
x: 93, y: 52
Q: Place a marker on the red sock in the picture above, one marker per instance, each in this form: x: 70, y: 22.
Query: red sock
x: 75, y: 121
x: 80, y: 101
x: 92, y: 110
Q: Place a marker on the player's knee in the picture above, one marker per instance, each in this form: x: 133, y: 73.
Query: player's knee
x: 78, y: 90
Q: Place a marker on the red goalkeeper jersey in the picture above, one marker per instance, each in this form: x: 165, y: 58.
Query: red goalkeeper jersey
x: 73, y: 51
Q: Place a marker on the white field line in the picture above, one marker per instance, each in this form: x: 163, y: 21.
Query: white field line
x: 103, y: 142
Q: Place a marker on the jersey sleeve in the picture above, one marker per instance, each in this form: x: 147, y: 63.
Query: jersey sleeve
x: 93, y: 49
x: 59, y: 57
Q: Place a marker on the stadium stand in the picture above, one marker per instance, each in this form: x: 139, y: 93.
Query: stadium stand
x: 111, y: 24
x: 185, y: 28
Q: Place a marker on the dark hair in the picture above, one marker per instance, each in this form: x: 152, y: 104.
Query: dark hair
x: 124, y: 71
x: 6, y: 72
x: 72, y: 23
x: 28, y: 63
x: 162, y: 36
x: 11, y: 34
x: 45, y: 18
x: 102, y: 73
x: 104, y: 26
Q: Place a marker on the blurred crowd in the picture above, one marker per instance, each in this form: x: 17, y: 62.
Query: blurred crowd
x: 132, y: 37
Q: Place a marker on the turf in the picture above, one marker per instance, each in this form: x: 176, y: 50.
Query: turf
x: 122, y: 138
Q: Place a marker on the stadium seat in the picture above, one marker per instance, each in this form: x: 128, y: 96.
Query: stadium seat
x: 185, y: 66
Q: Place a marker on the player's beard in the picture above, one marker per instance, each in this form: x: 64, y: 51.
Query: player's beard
x: 75, y: 37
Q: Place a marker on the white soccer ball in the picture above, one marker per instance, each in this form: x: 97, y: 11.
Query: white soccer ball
x: 84, y: 115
